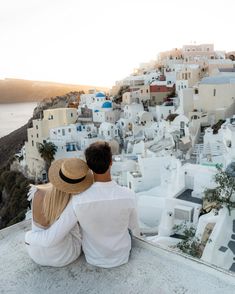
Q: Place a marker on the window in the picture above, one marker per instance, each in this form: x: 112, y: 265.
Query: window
x: 70, y: 147
x: 37, y: 127
x: 44, y: 141
x: 37, y: 135
x: 229, y: 143
x: 108, y: 133
x: 63, y: 132
x: 147, y: 91
x: 182, y: 133
x: 71, y: 114
x: 44, y: 176
x: 69, y: 130
x: 214, y: 92
x: 32, y: 143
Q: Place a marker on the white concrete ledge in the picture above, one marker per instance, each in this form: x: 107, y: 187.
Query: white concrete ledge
x: 150, y: 270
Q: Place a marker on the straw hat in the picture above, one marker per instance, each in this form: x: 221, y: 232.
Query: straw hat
x: 70, y: 175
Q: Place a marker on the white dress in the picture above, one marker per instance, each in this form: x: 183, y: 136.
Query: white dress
x: 65, y: 251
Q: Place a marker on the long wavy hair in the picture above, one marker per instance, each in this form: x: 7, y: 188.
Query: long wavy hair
x: 54, y: 203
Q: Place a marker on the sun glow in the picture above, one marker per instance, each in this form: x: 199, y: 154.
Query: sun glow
x: 99, y: 42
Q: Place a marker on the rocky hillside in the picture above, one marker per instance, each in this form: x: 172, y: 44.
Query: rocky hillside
x: 13, y: 185
x: 14, y: 90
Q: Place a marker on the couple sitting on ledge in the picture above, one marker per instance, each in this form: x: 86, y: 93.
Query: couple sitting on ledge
x: 82, y: 207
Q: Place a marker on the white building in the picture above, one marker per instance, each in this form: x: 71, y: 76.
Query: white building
x: 176, y: 197
x: 70, y: 139
x: 163, y: 111
x: 39, y: 133
x: 108, y: 131
x: 131, y: 111
x: 216, y: 96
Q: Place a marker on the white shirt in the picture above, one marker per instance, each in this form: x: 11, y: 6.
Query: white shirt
x: 105, y: 212
x: 65, y: 250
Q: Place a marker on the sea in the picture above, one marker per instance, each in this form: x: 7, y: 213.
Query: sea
x: 14, y: 116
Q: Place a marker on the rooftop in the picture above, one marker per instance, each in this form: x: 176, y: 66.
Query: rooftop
x: 150, y: 270
x: 226, y: 69
x: 221, y: 79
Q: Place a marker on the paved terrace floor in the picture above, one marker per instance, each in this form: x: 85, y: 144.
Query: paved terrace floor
x: 187, y: 196
x: 150, y: 270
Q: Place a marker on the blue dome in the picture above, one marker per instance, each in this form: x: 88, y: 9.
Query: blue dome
x: 107, y: 104
x: 100, y: 95
x: 96, y: 110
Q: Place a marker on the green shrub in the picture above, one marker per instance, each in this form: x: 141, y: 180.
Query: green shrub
x: 14, y: 205
x: 222, y: 194
x: 189, y: 244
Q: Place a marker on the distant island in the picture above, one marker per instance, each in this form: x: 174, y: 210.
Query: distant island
x: 17, y: 90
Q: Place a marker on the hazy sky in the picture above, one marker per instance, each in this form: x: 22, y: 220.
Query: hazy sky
x: 100, y: 41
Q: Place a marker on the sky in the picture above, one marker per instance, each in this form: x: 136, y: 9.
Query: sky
x: 97, y: 42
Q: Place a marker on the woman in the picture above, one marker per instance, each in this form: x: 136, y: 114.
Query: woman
x: 67, y: 177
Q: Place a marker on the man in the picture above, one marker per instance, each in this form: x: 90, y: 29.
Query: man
x: 106, y: 212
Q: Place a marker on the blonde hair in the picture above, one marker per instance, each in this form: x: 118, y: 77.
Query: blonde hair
x: 54, y: 203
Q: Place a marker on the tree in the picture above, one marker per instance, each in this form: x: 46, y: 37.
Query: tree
x: 47, y: 151
x: 189, y: 244
x: 222, y: 194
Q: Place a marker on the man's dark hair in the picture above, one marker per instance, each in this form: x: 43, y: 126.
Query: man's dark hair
x: 98, y: 157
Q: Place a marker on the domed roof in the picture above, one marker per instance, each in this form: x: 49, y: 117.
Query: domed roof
x: 107, y: 104
x: 100, y: 95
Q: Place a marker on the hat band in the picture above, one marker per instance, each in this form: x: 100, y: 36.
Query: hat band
x: 70, y: 181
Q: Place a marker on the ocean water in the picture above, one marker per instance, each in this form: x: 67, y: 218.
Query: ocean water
x: 14, y: 115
